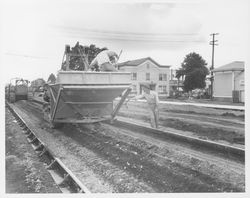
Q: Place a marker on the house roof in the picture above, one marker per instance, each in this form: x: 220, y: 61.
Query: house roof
x: 140, y: 61
x: 233, y: 66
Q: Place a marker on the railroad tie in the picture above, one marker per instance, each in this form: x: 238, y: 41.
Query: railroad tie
x: 39, y: 147
x: 43, y: 152
x: 51, y: 165
x: 64, y: 181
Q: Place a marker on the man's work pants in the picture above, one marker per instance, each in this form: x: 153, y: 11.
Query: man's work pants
x: 154, y: 116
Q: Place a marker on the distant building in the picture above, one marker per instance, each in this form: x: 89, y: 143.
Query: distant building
x: 229, y: 82
x: 175, y: 85
x: 146, y: 70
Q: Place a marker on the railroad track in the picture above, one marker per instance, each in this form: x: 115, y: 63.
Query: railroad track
x: 63, y: 177
x: 121, y: 151
x: 199, y: 144
x: 206, y: 145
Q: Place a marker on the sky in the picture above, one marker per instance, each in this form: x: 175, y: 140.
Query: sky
x: 33, y: 33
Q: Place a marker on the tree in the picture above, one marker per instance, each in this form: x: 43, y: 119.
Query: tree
x: 88, y: 53
x: 51, y: 79
x: 194, y: 69
x: 36, y: 84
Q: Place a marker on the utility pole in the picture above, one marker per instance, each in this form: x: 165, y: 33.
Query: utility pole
x: 213, y: 43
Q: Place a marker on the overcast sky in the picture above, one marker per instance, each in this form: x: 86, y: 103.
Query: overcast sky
x: 34, y: 33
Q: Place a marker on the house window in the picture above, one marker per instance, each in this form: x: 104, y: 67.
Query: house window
x: 134, y: 76
x: 162, y: 77
x: 162, y: 89
x: 134, y: 88
x: 147, y: 76
x: 147, y: 65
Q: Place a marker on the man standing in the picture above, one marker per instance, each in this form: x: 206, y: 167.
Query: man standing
x: 153, y: 101
x: 103, y: 61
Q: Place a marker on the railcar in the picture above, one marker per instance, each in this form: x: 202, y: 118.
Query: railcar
x: 18, y: 90
x: 84, y: 96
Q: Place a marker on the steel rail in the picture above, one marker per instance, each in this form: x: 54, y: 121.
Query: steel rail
x: 63, y: 177
x: 226, y: 150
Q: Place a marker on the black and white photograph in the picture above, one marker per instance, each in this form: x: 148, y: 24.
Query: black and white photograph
x: 136, y: 98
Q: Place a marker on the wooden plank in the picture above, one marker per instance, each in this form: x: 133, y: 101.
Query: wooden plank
x: 52, y: 94
x: 56, y: 104
x: 118, y: 106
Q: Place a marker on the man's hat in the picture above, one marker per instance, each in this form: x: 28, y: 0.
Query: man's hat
x: 145, y: 85
x: 112, y: 54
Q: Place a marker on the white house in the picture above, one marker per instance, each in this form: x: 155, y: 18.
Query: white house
x: 229, y: 82
x: 146, y: 70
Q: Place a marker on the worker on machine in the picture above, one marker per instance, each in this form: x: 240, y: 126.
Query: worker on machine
x: 153, y: 101
x: 104, y: 61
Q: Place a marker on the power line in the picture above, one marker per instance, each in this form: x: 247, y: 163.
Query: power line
x: 213, y: 43
x: 133, y: 36
x: 26, y: 55
x: 123, y: 33
x: 136, y: 39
